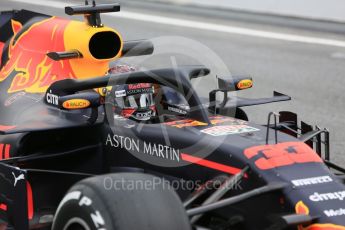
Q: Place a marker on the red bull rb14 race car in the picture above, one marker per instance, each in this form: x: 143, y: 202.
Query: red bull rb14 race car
x: 84, y: 146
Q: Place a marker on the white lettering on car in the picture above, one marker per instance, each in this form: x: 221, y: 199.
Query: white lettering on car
x: 52, y: 98
x: 151, y: 149
x: 335, y: 212
x: 318, y: 197
x: 85, y: 201
x: 97, y: 219
x: 311, y: 181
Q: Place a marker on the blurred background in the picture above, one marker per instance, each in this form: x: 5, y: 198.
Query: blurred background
x: 296, y: 47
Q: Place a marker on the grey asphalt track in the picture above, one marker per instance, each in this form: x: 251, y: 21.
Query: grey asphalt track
x: 314, y: 75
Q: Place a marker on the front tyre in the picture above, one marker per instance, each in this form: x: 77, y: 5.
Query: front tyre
x: 121, y: 201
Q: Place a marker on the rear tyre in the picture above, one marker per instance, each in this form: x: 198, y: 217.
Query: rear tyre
x: 121, y: 201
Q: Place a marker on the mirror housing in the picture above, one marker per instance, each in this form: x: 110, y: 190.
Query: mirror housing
x: 228, y: 85
x: 235, y: 83
x: 74, y: 101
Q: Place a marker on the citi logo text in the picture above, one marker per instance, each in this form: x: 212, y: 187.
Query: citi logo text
x: 52, y: 99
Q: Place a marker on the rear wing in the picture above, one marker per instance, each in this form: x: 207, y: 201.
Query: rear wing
x: 237, y: 83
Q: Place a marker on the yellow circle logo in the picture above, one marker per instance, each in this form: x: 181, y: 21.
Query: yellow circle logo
x: 76, y: 104
x: 245, y: 84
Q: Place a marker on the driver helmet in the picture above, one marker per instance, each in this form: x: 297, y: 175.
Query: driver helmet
x: 135, y: 101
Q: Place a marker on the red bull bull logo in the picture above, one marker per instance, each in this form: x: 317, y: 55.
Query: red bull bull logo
x: 29, y: 69
x: 28, y: 65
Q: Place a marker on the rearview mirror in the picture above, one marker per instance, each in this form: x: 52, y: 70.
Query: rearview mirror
x: 74, y: 101
x: 235, y: 83
x: 226, y: 85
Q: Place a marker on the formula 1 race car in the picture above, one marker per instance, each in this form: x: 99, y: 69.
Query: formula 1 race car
x: 82, y: 147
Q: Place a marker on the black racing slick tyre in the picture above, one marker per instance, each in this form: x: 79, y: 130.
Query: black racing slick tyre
x: 121, y: 201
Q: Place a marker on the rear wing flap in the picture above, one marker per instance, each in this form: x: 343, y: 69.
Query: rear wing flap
x: 237, y: 102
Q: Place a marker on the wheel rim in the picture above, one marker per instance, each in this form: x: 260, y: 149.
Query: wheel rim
x: 76, y: 224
